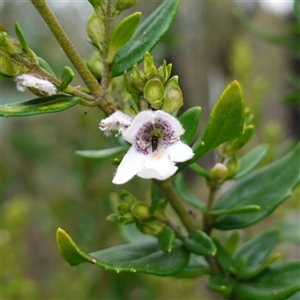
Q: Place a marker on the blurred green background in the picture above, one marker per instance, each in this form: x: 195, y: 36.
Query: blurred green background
x: 44, y: 185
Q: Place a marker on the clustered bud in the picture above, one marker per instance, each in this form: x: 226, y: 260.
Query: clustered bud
x: 130, y: 210
x: 154, y: 86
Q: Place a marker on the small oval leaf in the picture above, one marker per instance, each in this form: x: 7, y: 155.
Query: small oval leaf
x: 190, y: 120
x: 38, y: 106
x: 145, y: 38
x: 69, y: 250
x: 200, y: 243
x: 102, y: 154
x: 225, y: 122
x: 122, y: 33
x: 233, y: 211
x: 66, y: 78
x: 251, y: 160
x: 165, y: 239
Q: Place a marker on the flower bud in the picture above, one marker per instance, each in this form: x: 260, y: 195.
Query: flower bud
x: 138, y: 78
x: 164, y: 72
x: 149, y: 67
x: 123, y: 207
x: 10, y: 45
x: 127, y: 218
x: 113, y: 218
x: 7, y: 66
x: 140, y: 210
x: 173, y: 96
x: 124, y: 4
x: 151, y: 227
x: 219, y: 172
x: 154, y: 92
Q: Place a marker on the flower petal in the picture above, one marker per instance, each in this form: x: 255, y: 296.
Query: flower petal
x: 179, y: 152
x: 137, y: 123
x: 130, y: 165
x: 174, y: 123
x: 158, y: 166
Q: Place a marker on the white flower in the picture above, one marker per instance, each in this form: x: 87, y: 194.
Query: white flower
x: 28, y: 80
x: 118, y: 121
x: 156, y: 147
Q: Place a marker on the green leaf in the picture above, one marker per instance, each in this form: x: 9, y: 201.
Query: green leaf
x: 278, y: 282
x: 223, y: 257
x: 122, y: 33
x: 225, y: 122
x: 221, y: 284
x: 242, y: 140
x: 66, y: 78
x: 190, y: 121
x: 38, y: 106
x: 43, y: 64
x: 102, y: 154
x: 145, y: 38
x: 69, y: 250
x: 251, y: 160
x: 165, y: 239
x: 185, y: 194
x: 145, y: 257
x: 254, y: 254
x: 237, y: 210
x: 197, y: 267
x: 158, y: 202
x: 267, y: 187
x: 200, y: 243
x: 231, y: 243
x: 142, y: 257
x: 21, y: 37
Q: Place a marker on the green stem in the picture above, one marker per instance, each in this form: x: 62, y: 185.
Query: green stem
x: 207, y: 219
x: 172, y: 197
x: 67, y: 46
x: 104, y: 55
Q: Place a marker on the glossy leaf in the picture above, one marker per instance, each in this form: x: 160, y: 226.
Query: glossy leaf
x: 222, y: 256
x: 278, y: 282
x: 190, y: 120
x: 251, y: 160
x: 242, y: 140
x: 142, y: 257
x: 69, y: 250
x: 122, y: 33
x: 145, y: 38
x: 231, y: 242
x: 200, y: 243
x: 145, y: 257
x: 158, y: 202
x: 165, y: 239
x: 254, y: 254
x: 225, y: 122
x: 37, y: 106
x: 43, y: 64
x: 233, y: 211
x: 267, y: 187
x: 102, y: 154
x: 222, y: 284
x: 66, y: 78
x: 197, y: 267
x: 21, y: 37
x: 185, y: 194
